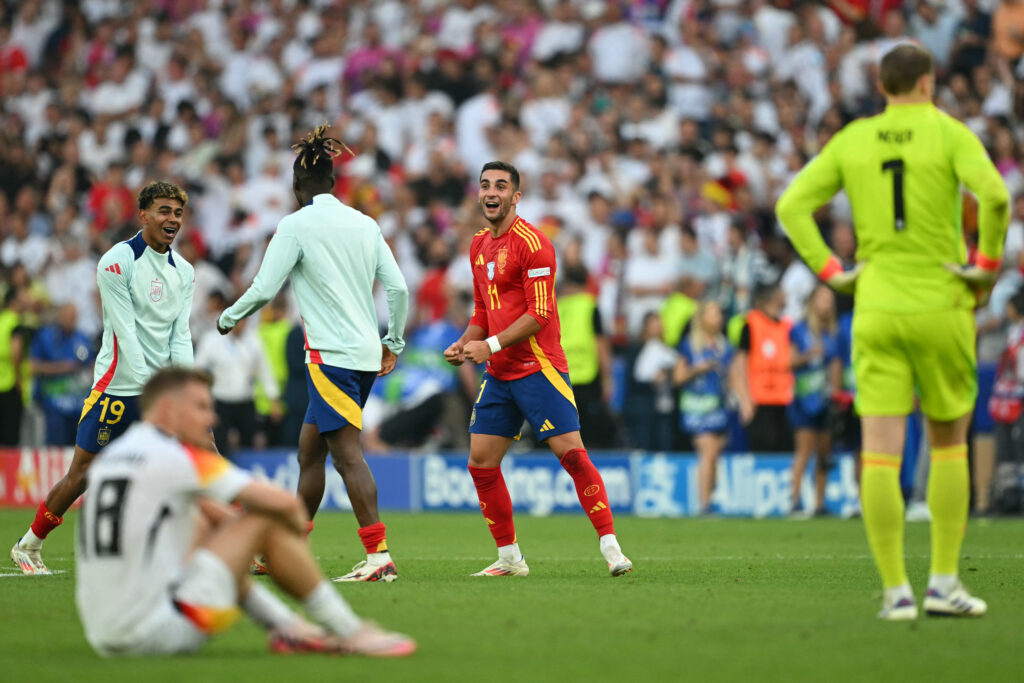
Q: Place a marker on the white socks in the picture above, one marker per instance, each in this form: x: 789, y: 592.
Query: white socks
x: 30, y: 541
x: 329, y: 609
x: 610, y: 546
x: 510, y: 553
x: 943, y: 583
x: 266, y: 609
x: 896, y: 593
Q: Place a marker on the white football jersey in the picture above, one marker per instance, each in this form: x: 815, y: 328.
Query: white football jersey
x: 138, y: 521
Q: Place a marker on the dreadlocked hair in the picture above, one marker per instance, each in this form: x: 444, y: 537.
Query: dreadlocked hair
x: 316, y: 152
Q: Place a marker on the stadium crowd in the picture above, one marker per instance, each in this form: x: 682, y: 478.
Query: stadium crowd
x: 653, y: 137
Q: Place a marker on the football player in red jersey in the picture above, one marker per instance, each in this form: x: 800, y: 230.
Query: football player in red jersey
x: 515, y: 330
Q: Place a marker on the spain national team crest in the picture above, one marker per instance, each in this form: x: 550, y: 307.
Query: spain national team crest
x: 156, y: 290
x: 490, y: 270
x: 502, y: 259
x: 472, y: 418
x: 103, y: 436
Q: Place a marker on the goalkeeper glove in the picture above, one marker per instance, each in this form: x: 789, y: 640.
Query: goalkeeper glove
x: 980, y: 277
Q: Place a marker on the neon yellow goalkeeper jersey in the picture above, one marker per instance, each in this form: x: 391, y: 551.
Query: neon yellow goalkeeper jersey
x: 902, y: 171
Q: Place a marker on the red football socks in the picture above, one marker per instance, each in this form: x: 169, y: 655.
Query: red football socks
x: 590, y: 489
x: 495, y: 503
x: 45, y: 521
x: 374, y: 538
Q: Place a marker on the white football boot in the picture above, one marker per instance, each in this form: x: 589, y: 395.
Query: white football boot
x: 503, y: 567
x: 376, y: 567
x: 28, y: 560
x: 956, y: 603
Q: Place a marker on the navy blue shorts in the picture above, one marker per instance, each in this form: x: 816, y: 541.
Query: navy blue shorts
x: 801, y: 419
x: 336, y: 396
x: 104, y: 418
x: 546, y: 402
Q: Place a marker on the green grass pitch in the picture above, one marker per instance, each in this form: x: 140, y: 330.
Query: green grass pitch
x: 710, y: 599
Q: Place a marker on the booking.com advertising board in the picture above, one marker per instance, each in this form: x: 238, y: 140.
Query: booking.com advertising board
x: 650, y: 485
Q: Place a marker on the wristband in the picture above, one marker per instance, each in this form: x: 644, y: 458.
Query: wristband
x: 986, y: 263
x: 831, y: 267
x: 493, y: 342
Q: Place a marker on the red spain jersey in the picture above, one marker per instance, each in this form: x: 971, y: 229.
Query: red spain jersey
x: 515, y: 274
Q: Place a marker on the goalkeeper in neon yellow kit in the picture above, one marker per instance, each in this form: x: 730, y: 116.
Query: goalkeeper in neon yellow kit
x: 913, y: 324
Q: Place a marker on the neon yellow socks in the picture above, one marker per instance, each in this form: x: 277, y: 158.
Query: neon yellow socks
x: 882, y: 505
x: 948, y: 500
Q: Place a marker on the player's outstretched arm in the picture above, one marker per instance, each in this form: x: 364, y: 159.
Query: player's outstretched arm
x: 283, y: 253
x: 112, y: 282
x: 397, y: 291
x: 815, y: 185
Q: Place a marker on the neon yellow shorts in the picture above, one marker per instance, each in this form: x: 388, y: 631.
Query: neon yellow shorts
x: 894, y: 353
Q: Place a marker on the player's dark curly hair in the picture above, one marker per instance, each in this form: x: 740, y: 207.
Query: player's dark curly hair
x: 513, y: 172
x: 161, y: 189
x: 314, y: 164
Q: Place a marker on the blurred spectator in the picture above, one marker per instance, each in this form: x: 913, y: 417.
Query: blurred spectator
x: 814, y: 357
x: 295, y: 396
x: 12, y: 353
x: 651, y: 409
x: 236, y: 362
x: 702, y: 372
x: 1008, y: 30
x: 589, y: 355
x: 649, y: 278
x: 62, y: 358
x: 110, y: 202
x: 275, y: 326
x: 761, y: 376
x: 935, y: 26
x: 22, y: 247
x: 407, y: 407
x: 1007, y: 409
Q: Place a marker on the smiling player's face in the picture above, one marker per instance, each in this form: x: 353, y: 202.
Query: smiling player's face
x: 161, y: 222
x: 497, y: 195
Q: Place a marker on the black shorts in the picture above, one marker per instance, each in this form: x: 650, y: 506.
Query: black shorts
x: 769, y: 431
x: 844, y: 426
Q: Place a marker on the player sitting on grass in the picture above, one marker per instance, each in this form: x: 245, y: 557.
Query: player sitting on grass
x: 162, y: 561
x: 913, y: 324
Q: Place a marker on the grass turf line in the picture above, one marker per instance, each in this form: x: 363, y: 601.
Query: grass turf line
x: 717, y: 599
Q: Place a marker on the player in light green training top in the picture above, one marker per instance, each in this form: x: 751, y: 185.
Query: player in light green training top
x: 913, y: 324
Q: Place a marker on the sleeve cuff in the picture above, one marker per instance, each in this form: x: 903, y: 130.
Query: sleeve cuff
x: 986, y: 263
x: 831, y: 267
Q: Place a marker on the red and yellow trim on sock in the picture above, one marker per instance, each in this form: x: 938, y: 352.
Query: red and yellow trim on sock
x: 869, y: 459
x: 209, y: 620
x: 958, y: 452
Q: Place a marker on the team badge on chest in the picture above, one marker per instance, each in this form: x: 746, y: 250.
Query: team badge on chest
x: 502, y: 259
x: 156, y: 290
